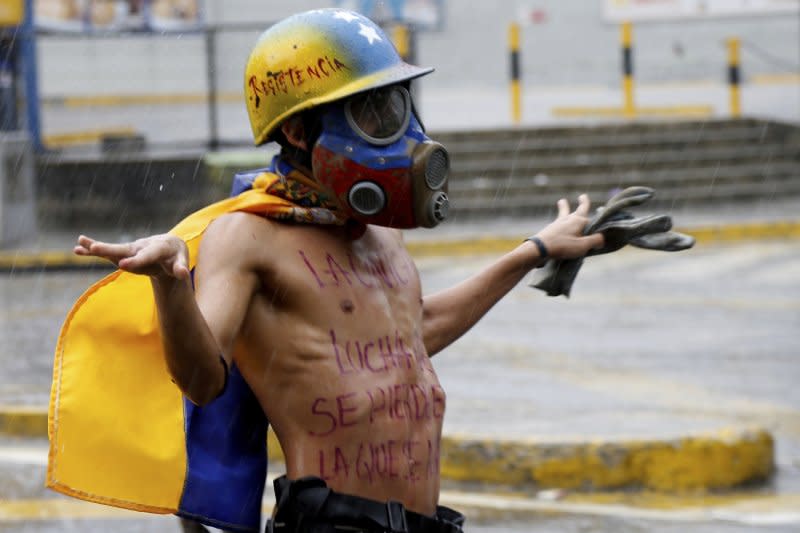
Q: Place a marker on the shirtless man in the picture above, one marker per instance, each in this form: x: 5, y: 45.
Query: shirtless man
x: 327, y: 322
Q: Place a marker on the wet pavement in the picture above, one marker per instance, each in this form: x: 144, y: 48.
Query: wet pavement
x: 546, y: 524
x: 649, y: 345
x: 655, y: 343
x: 652, y: 343
x: 28, y: 507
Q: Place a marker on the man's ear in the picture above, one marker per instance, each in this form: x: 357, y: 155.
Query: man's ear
x: 295, y: 132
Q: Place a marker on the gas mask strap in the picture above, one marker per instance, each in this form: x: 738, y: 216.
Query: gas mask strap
x: 415, y: 112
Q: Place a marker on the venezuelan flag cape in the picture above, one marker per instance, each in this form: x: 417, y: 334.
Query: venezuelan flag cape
x: 121, y: 433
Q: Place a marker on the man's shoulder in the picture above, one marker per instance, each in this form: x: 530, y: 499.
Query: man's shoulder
x: 238, y: 235
x: 238, y: 225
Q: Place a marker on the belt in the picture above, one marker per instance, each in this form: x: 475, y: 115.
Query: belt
x: 308, y: 500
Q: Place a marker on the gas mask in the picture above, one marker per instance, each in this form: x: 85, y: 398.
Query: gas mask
x: 373, y: 154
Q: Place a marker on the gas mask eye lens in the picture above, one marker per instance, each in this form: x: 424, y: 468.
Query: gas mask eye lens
x: 380, y: 116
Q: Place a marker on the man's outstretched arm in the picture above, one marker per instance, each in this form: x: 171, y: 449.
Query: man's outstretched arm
x: 450, y: 313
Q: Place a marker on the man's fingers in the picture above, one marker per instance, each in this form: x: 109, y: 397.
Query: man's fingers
x: 85, y: 241
x: 596, y: 240
x: 145, y: 257
x: 111, y: 252
x: 583, y: 205
x: 114, y: 252
x: 153, y: 256
x: 180, y: 270
x: 563, y: 207
x: 83, y: 245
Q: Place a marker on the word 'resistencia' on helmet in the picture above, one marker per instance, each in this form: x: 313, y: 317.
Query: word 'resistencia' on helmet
x: 317, y: 57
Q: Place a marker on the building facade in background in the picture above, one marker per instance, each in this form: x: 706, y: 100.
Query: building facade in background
x: 564, y: 42
x: 566, y: 45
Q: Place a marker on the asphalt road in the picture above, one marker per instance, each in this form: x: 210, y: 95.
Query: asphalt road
x: 648, y: 344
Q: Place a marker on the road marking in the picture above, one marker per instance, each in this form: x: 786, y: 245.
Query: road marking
x: 663, y: 111
x: 772, y: 510
x: 765, y: 511
x: 73, y: 138
x: 60, y: 509
x: 742, y: 508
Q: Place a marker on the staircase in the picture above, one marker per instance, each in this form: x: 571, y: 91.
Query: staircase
x: 525, y: 171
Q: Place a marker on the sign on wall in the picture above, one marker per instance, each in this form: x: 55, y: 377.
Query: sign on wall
x: 117, y: 15
x: 661, y: 10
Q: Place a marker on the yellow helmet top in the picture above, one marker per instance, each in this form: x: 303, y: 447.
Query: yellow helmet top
x: 317, y: 57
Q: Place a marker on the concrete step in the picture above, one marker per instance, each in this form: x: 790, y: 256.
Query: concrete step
x: 154, y: 188
x: 756, y: 174
x: 608, y: 129
x: 531, y: 203
x: 686, y: 162
x: 538, y: 142
x: 615, y: 162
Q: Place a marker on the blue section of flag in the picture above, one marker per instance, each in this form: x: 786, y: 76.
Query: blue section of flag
x: 243, y: 181
x: 226, y: 446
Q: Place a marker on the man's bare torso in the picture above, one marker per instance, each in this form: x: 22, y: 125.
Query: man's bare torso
x: 332, y: 347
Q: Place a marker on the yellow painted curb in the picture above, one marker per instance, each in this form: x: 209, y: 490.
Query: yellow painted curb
x: 744, y: 232
x: 140, y: 99
x: 700, y: 111
x: 17, y: 261
x: 704, y: 234
x: 480, y: 245
x: 719, y: 460
x: 57, y: 509
x: 74, y: 138
x: 23, y: 421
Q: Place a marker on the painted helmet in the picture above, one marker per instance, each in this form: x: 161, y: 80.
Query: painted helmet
x: 317, y: 57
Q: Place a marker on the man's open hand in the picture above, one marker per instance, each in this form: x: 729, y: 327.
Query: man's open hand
x: 159, y: 256
x: 564, y: 236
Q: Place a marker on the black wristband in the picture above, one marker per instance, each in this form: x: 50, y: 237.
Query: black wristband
x: 543, y: 253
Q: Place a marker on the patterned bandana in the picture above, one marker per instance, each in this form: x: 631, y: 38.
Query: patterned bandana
x: 311, y: 203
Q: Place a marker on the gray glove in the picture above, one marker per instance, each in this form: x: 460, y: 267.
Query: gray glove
x: 669, y: 241
x: 619, y: 228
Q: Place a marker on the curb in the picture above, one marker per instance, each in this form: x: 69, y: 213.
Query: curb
x: 784, y: 229
x: 24, y: 261
x: 700, y: 462
x: 23, y: 421
x: 709, y: 461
